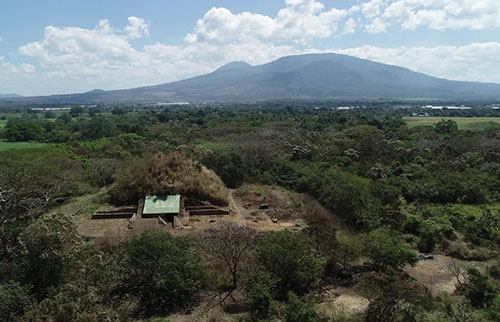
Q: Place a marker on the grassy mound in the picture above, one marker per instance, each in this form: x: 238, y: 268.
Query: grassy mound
x: 172, y: 173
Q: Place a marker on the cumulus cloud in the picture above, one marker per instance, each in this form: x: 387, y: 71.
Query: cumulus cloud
x: 433, y: 14
x: 300, y: 21
x: 137, y: 28
x: 8, y: 70
x: 372, y: 8
x: 73, y: 59
x: 80, y: 59
x: 104, y: 57
x: 451, y: 62
x: 350, y: 27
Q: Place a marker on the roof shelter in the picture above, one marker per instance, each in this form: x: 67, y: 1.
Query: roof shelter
x: 164, y: 206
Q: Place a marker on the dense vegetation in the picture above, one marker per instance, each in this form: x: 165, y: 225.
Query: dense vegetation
x: 399, y: 191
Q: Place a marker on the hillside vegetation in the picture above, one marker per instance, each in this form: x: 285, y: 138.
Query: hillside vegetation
x: 365, y: 195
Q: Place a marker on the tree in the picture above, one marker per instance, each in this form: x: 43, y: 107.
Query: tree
x: 14, y: 300
x: 49, y: 115
x: 76, y: 111
x: 347, y: 195
x: 446, y: 126
x: 393, y: 297
x: 259, y: 294
x: 229, y: 166
x: 104, y: 170
x: 288, y: 257
x: 20, y: 130
x: 43, y: 247
x: 385, y: 249
x: 298, y: 310
x: 98, y: 127
x: 65, y: 118
x: 119, y: 111
x: 165, y: 272
x: 229, y: 243
x: 477, y: 289
x: 349, y: 249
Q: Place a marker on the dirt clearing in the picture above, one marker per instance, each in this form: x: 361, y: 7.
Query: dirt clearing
x: 437, y: 274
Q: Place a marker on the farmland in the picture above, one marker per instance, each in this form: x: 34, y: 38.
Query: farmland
x: 5, y: 145
x: 462, y: 122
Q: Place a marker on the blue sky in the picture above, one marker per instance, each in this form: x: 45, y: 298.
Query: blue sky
x: 56, y: 46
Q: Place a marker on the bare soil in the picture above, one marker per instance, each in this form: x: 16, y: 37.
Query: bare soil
x: 437, y: 275
x: 243, y: 206
x: 343, y: 302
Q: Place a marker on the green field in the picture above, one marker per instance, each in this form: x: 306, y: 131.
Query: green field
x: 464, y: 123
x: 214, y: 146
x: 4, y: 145
x: 3, y: 123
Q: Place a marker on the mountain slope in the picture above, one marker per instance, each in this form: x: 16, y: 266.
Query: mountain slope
x: 9, y: 96
x: 313, y: 76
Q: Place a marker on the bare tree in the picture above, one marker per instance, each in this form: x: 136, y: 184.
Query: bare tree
x: 458, y: 271
x: 229, y: 243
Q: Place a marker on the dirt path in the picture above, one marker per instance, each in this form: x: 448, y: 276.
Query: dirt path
x: 234, y: 205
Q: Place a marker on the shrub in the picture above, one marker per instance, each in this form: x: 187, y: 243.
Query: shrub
x: 298, y: 310
x: 259, y: 295
x: 165, y: 272
x: 14, y: 300
x: 385, y: 249
x: 44, y: 246
x: 288, y: 257
x: 477, y: 289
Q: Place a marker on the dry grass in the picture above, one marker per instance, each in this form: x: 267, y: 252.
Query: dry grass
x: 283, y: 204
x: 172, y: 173
x: 343, y: 305
x: 437, y: 274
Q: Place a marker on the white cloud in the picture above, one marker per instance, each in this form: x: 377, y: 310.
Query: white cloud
x: 477, y: 61
x: 77, y: 59
x: 372, y: 8
x: 73, y: 59
x: 300, y: 21
x: 137, y: 28
x: 9, y: 71
x: 350, y: 27
x: 103, y: 57
x: 14, y: 78
x: 433, y: 14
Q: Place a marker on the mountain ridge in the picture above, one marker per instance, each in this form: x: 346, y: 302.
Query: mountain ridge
x: 310, y: 76
x: 10, y: 95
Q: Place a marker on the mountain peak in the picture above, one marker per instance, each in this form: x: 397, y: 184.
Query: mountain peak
x: 237, y: 65
x: 95, y: 91
x: 313, y: 76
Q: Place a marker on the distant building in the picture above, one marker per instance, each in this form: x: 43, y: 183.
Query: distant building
x: 170, y: 104
x: 447, y: 107
x: 45, y: 109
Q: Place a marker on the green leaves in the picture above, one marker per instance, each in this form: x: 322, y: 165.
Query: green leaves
x: 165, y: 272
x: 287, y: 256
x: 385, y: 249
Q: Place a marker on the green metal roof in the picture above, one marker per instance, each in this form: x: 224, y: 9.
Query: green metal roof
x: 154, y: 205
